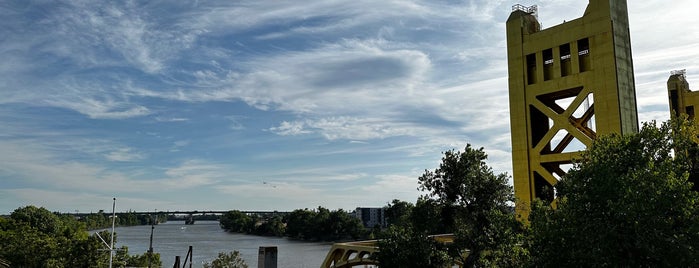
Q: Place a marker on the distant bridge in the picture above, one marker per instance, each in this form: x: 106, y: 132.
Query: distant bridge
x: 184, y: 212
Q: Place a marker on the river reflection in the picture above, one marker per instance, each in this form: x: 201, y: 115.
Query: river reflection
x: 208, y: 239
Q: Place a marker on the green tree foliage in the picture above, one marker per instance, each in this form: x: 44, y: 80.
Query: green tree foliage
x: 38, y: 218
x: 323, y: 224
x: 685, y: 136
x: 36, y: 237
x: 122, y: 259
x: 227, y: 260
x: 300, y: 224
x: 476, y: 205
x: 398, y: 213
x: 427, y: 216
x: 627, y: 203
x: 235, y: 221
x: 239, y: 222
x: 304, y: 224
x: 342, y: 225
x: 402, y: 246
x: 464, y: 183
x: 466, y: 198
x: 271, y: 227
x: 102, y: 220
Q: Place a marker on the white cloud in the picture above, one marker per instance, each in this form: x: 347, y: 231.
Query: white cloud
x: 393, y: 185
x: 125, y: 28
x: 35, y: 164
x: 99, y: 109
x: 172, y: 119
x: 124, y: 155
x: 290, y: 129
x: 348, y: 128
x: 193, y: 173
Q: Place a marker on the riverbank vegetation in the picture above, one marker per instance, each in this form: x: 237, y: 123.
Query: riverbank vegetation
x: 311, y: 225
x: 102, y: 220
x: 36, y: 237
x: 628, y: 202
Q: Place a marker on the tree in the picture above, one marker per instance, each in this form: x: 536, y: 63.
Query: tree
x: 123, y: 259
x: 271, y: 227
x: 627, y: 202
x: 398, y: 212
x: 36, y: 237
x: 406, y: 247
x: 465, y: 197
x: 39, y: 218
x: 322, y: 224
x: 476, y: 206
x: 686, y: 140
x: 342, y: 225
x: 227, y: 260
x: 299, y: 223
x: 426, y: 216
x: 236, y: 221
x: 24, y: 246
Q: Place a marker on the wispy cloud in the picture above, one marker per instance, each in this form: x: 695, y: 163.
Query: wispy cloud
x: 124, y: 155
x: 345, y: 128
x: 172, y: 119
x: 290, y: 128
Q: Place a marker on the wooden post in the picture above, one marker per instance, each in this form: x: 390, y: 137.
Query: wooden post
x: 267, y: 257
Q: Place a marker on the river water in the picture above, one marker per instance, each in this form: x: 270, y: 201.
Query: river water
x: 208, y: 239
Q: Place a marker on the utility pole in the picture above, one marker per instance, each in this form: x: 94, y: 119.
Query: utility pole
x: 111, y: 246
x: 150, y: 247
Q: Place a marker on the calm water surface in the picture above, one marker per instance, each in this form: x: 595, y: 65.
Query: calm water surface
x: 208, y: 239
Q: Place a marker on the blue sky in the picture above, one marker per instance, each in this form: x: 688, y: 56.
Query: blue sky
x: 263, y: 105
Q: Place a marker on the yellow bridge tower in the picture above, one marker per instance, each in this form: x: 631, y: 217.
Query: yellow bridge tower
x: 568, y: 84
x: 682, y: 99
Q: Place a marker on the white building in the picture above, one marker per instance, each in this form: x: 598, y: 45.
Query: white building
x: 371, y: 217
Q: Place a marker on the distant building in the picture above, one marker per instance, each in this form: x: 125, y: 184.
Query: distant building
x: 371, y: 217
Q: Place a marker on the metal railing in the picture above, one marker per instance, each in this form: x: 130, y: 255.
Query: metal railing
x: 533, y: 10
x: 682, y: 72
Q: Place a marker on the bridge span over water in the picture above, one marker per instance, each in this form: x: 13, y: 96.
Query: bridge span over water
x: 184, y: 212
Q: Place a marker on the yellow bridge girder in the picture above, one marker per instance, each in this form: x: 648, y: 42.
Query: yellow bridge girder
x: 359, y: 253
x: 351, y: 254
